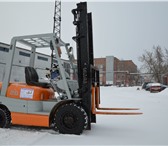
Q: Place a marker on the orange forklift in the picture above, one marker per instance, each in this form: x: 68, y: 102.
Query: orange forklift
x: 34, y: 103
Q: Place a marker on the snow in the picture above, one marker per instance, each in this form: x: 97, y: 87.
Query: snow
x: 150, y: 128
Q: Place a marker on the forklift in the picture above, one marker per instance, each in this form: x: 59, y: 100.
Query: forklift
x: 34, y: 103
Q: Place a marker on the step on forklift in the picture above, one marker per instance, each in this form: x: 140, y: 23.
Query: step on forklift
x: 34, y: 103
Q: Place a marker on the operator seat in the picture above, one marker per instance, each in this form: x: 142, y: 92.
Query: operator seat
x: 32, y: 78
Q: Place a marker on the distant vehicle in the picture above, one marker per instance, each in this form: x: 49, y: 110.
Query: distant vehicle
x: 144, y: 85
x: 106, y: 85
x: 155, y: 87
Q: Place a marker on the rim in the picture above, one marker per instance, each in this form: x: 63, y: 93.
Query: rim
x: 69, y: 120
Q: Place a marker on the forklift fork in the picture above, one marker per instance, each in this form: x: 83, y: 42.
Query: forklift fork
x: 96, y: 109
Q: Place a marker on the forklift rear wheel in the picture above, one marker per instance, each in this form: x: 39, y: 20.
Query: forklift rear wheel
x: 5, y: 119
x: 70, y: 119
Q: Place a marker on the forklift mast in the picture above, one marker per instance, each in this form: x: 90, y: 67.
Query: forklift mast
x: 88, y: 75
x: 84, y: 45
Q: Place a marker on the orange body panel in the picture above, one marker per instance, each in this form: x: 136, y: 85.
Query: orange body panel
x: 30, y: 119
x: 26, y: 92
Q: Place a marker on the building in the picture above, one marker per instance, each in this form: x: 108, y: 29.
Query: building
x: 116, y: 72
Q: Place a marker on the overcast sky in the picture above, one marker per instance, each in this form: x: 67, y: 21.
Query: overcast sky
x: 120, y: 29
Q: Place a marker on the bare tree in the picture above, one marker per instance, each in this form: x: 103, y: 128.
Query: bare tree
x: 155, y: 62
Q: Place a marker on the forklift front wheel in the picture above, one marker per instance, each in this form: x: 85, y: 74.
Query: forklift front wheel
x: 70, y: 119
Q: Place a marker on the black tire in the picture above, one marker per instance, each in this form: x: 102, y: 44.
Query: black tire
x: 70, y: 119
x: 5, y: 118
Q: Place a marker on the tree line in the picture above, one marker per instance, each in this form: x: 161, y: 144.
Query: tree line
x: 155, y: 62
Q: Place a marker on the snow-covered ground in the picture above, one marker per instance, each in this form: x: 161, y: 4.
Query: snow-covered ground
x: 150, y: 128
